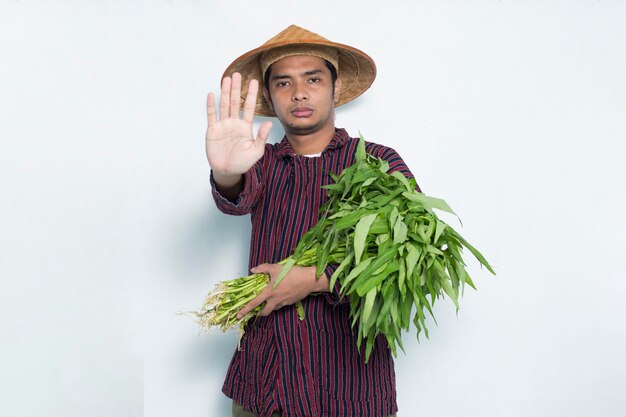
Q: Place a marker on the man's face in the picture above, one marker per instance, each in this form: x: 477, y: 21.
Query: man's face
x: 301, y: 94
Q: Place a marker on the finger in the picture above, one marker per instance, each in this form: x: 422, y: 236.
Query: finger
x: 210, y: 109
x: 250, y: 103
x: 265, y: 311
x: 256, y: 301
x: 225, y: 99
x: 235, y: 96
x: 261, y: 269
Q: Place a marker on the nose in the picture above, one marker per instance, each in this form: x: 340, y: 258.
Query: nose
x: 299, y: 92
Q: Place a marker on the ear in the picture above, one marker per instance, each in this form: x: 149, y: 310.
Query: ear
x: 337, y: 89
x: 268, y: 99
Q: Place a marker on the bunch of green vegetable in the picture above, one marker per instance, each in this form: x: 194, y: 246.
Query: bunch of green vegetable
x: 399, y: 254
x: 393, y: 254
x: 221, y: 306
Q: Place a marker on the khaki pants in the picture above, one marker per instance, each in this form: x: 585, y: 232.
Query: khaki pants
x: 238, y: 411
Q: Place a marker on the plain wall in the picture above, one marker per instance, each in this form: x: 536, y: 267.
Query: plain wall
x: 513, y: 111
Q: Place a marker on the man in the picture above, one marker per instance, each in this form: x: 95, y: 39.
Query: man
x: 285, y: 366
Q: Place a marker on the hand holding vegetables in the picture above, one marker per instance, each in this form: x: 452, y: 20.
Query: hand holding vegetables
x: 298, y: 283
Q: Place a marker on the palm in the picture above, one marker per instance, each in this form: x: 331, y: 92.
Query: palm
x: 230, y: 144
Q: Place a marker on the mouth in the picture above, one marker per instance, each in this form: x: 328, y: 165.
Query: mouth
x: 302, y: 112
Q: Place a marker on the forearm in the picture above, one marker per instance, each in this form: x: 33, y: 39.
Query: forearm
x: 322, y: 283
x: 229, y: 186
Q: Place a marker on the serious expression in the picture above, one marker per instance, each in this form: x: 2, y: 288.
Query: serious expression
x: 301, y: 94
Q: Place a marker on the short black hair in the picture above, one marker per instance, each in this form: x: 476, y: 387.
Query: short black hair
x: 331, y: 68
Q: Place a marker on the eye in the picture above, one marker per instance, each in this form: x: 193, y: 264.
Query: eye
x: 314, y: 80
x: 282, y: 83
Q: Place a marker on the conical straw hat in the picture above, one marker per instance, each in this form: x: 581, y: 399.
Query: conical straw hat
x: 355, y: 68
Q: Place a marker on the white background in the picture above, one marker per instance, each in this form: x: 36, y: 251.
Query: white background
x: 513, y: 111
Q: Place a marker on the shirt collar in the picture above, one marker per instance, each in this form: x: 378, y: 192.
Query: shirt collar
x: 284, y: 149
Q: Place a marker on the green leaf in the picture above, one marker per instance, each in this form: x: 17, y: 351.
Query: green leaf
x: 405, y: 311
x: 379, y: 261
x: 350, y: 219
x: 383, y: 199
x: 369, y: 303
x: 300, y: 309
x: 285, y: 270
x: 422, y: 231
x: 469, y: 280
x: 389, y: 298
x: 368, y: 182
x: 454, y: 249
x: 346, y: 180
x: 423, y: 276
x: 360, y: 149
x: 381, y: 239
x: 340, y: 268
x: 431, y: 288
x: 476, y: 253
x: 401, y: 278
x: 425, y: 303
x: 374, y: 280
x: 430, y: 202
x: 431, y: 229
x: 379, y: 227
x: 398, y: 337
x: 360, y: 235
x: 432, y: 249
x: 419, y: 322
x: 340, y: 213
x: 400, y: 177
x: 399, y: 231
x: 412, y: 257
x: 393, y: 217
x: 451, y: 292
x: 368, y: 349
x: 363, y: 175
x: 324, y: 251
x: 441, y: 226
x: 384, y: 166
x: 355, y: 272
x: 334, y: 187
x: 450, y: 267
x: 392, y: 344
x: 394, y: 311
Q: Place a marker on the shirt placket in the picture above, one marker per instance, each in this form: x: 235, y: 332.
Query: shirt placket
x: 295, y: 371
x: 311, y: 171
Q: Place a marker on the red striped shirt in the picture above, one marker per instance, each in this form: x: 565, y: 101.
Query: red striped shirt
x: 311, y: 367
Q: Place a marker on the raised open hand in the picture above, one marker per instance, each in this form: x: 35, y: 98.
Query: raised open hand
x: 231, y: 147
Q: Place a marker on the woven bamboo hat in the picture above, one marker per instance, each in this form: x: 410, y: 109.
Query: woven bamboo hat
x: 354, y: 67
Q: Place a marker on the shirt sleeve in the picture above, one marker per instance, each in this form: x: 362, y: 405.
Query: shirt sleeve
x: 247, y: 198
x: 334, y: 296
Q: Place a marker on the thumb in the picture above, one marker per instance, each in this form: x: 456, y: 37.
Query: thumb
x: 263, y: 134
